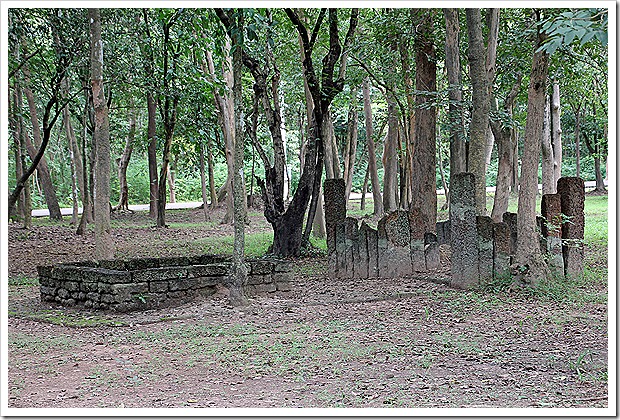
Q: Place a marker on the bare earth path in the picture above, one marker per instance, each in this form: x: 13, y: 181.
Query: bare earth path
x: 405, y: 342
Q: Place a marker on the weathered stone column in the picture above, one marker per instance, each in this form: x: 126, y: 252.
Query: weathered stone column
x: 484, y: 226
x: 416, y: 241
x: 394, y: 247
x: 361, y: 269
x: 335, y: 213
x: 351, y: 252
x: 373, y: 250
x: 431, y: 252
x: 501, y: 250
x: 551, y: 209
x: 572, y: 198
x: 463, y: 232
x: 443, y: 232
x: 511, y: 220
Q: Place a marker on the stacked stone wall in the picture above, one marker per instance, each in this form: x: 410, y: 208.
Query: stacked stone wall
x: 126, y: 285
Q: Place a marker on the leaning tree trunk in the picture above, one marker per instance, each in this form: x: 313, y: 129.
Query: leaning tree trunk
x: 531, y: 267
x: 104, y: 244
x: 42, y: 168
x: 480, y: 103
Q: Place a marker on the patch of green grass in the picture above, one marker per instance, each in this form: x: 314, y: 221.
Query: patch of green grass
x: 40, y: 344
x: 23, y: 281
x: 256, y: 244
x: 70, y: 319
x: 457, y: 343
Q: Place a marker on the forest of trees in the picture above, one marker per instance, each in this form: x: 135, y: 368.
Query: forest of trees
x: 109, y: 107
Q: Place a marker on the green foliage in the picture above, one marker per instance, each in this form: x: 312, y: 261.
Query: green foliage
x: 582, y: 25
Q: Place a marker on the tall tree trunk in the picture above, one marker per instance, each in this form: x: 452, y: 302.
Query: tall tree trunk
x: 87, y: 203
x: 151, y: 106
x: 104, y: 244
x: 458, y: 145
x: 351, y: 149
x: 372, y: 158
x: 556, y: 132
x: 42, y: 168
x: 529, y: 259
x: 212, y: 191
x: 172, y: 184
x: 390, y: 158
x: 19, y: 132
x: 480, y: 103
x: 514, y: 181
x: 442, y: 173
x: 239, y: 269
x: 123, y: 200
x: 224, y: 104
x: 424, y: 182
x: 577, y: 140
x: 203, y: 183
x: 492, y: 21
x: 547, y: 152
x: 364, y: 189
x: 594, y: 149
x: 505, y: 155
x: 332, y: 163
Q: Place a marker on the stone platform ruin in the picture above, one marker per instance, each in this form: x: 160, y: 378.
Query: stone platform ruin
x: 482, y: 251
x: 146, y: 283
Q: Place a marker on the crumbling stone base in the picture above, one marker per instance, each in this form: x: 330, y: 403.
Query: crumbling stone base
x: 145, y: 283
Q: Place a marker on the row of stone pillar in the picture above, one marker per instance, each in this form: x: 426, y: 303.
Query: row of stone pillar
x: 398, y: 247
x: 483, y: 250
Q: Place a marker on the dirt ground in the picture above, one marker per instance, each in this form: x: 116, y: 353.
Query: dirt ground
x: 406, y: 342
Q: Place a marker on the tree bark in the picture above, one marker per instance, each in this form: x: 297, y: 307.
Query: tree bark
x: 19, y: 132
x: 423, y: 182
x: 505, y: 155
x: 492, y: 20
x: 172, y: 185
x: 323, y: 91
x: 224, y: 103
x: 458, y: 146
x: 577, y: 139
x: 372, y: 158
x: 239, y: 269
x: 104, y: 244
x: 42, y: 168
x: 168, y: 111
x: 530, y: 265
x: 351, y: 149
x: 594, y: 149
x: 547, y: 152
x: 390, y: 158
x: 480, y: 104
x: 151, y: 106
x: 123, y: 200
x: 203, y: 183
x: 556, y: 132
